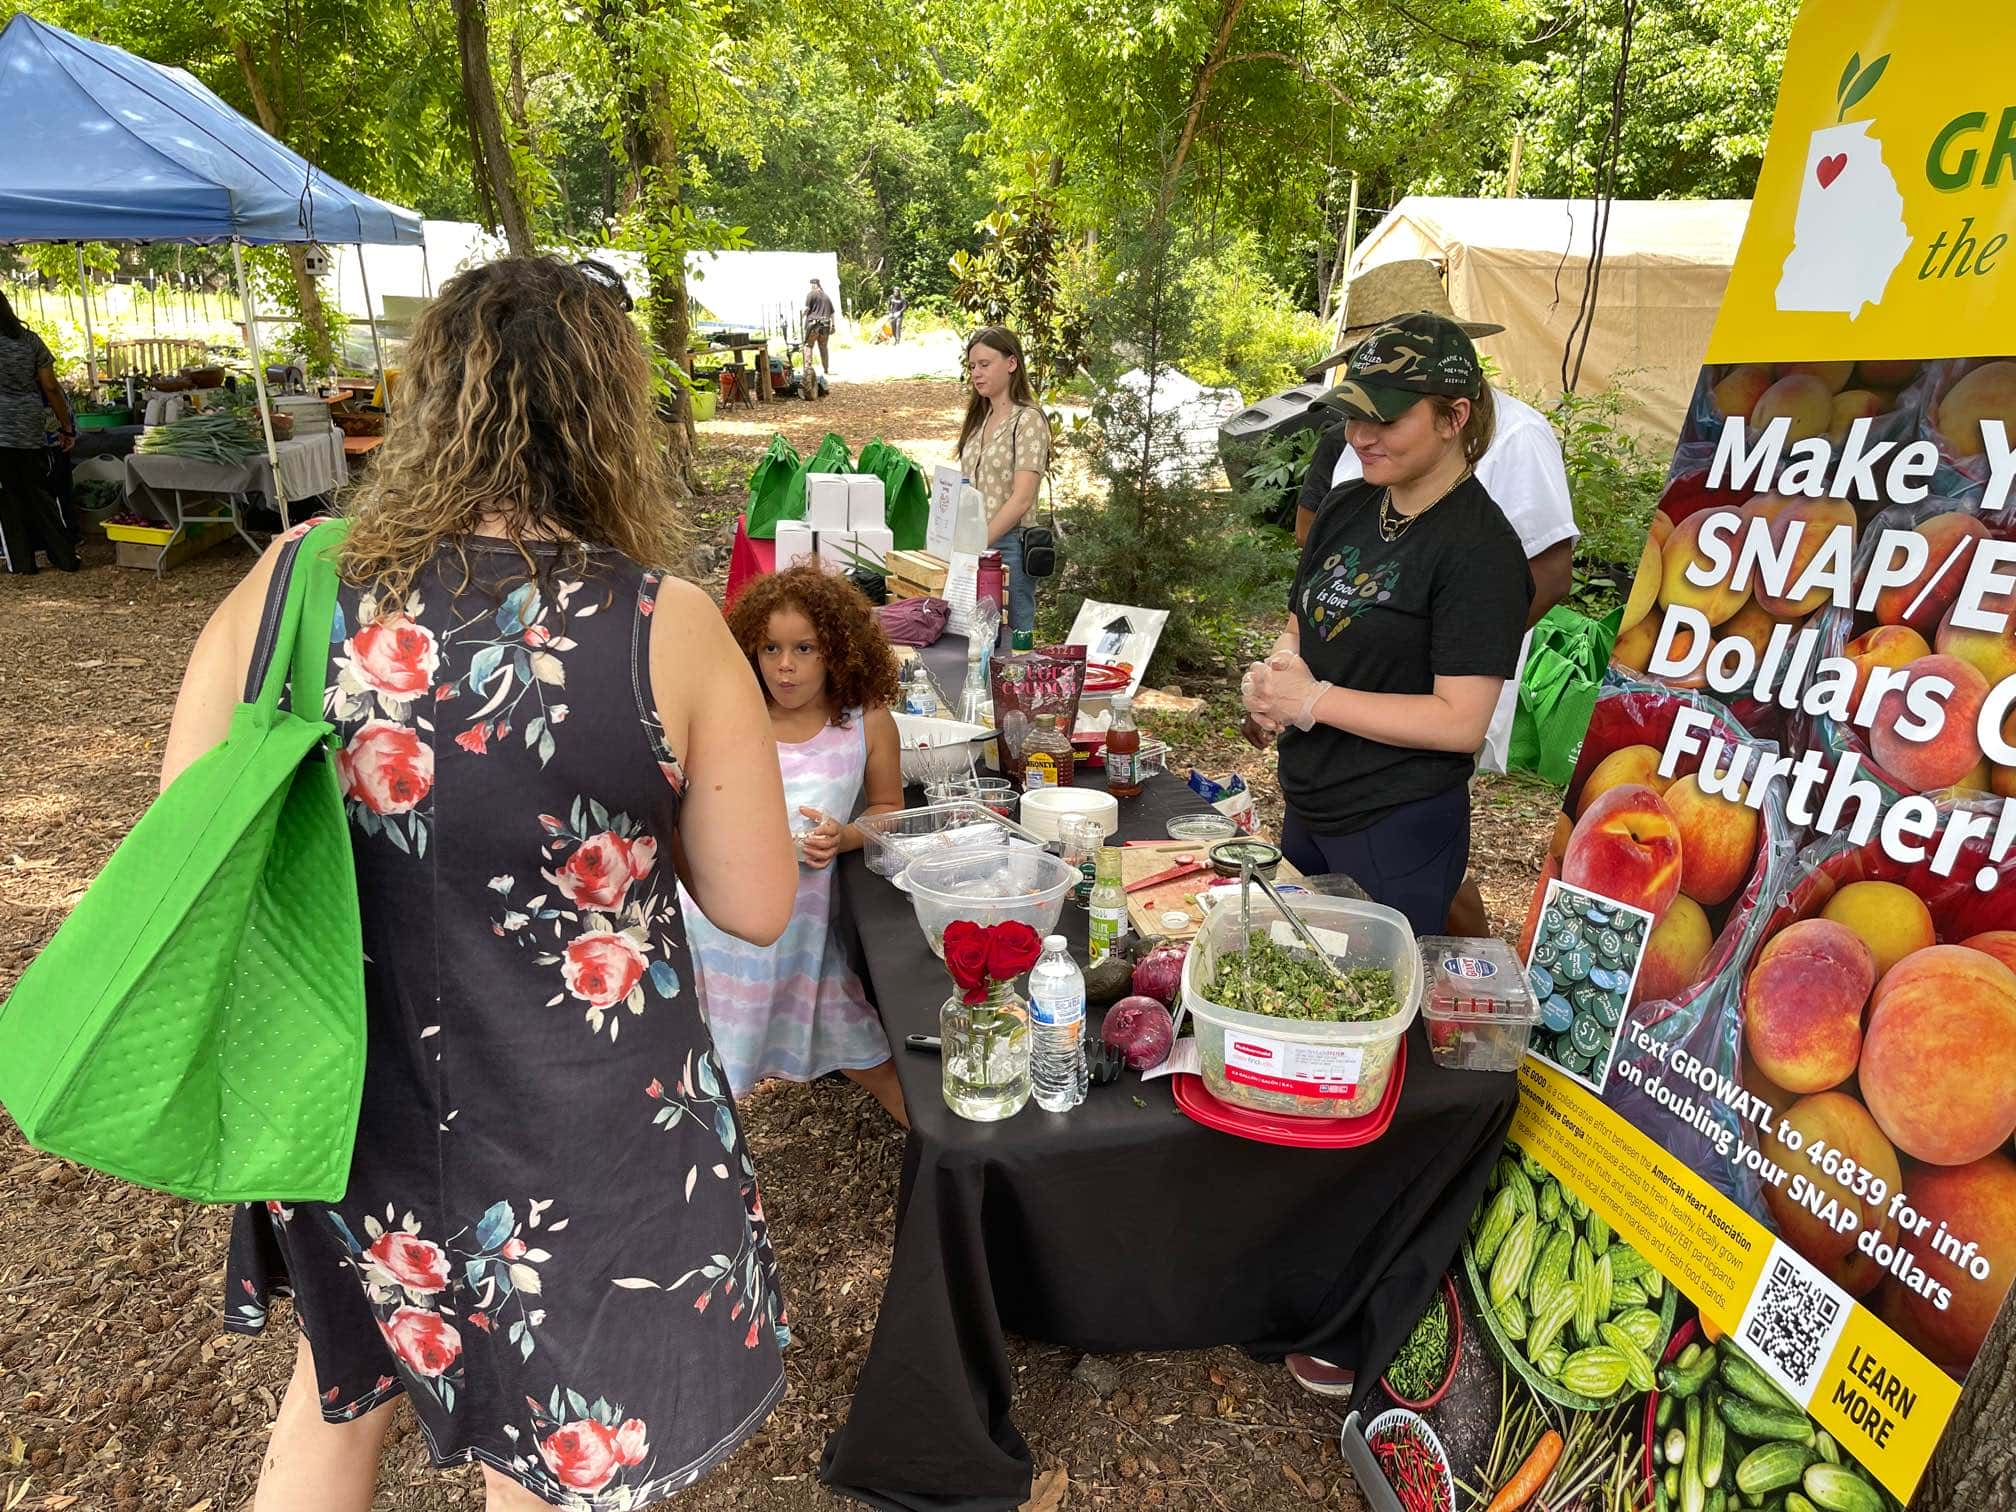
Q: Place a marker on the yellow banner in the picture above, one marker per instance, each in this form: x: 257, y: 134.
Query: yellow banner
x: 1883, y: 1401
x: 1884, y: 223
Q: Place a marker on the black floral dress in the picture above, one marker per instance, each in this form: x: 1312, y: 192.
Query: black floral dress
x: 552, y: 1237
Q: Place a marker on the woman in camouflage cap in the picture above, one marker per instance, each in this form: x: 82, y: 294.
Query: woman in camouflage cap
x: 1405, y: 621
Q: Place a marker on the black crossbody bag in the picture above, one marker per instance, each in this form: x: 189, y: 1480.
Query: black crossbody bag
x: 1039, y: 542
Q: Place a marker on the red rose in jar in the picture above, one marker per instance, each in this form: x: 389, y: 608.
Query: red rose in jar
x: 394, y: 656
x: 965, y: 946
x: 1011, y: 950
x: 412, y: 1262
x: 386, y: 767
x: 426, y: 1343
x: 602, y: 967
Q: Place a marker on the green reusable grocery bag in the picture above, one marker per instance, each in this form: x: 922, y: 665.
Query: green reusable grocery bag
x: 197, y: 1024
x: 830, y: 458
x: 908, y: 513
x: 1557, y: 692
x: 768, y: 485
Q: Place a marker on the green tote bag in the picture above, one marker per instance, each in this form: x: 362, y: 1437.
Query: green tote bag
x: 197, y: 1024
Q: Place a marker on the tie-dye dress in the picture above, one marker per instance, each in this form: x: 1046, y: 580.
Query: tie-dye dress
x: 794, y: 1009
x: 552, y: 1241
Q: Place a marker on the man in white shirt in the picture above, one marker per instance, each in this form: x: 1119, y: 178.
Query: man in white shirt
x: 1523, y: 472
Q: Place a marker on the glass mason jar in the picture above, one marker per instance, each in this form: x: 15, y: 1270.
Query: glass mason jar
x: 985, y: 1050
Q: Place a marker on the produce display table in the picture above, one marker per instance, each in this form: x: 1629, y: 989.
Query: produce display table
x: 1123, y: 1226
x: 309, y: 465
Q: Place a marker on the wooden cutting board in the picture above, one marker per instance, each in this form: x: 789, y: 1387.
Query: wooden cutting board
x: 1145, y: 909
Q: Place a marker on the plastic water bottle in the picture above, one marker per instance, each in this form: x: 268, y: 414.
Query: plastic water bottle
x: 921, y: 697
x: 1057, y: 1029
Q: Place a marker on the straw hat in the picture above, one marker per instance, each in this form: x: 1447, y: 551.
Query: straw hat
x: 1386, y: 292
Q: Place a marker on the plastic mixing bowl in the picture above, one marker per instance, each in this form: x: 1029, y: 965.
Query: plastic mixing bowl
x: 990, y: 886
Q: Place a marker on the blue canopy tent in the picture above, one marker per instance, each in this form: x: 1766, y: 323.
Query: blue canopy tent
x: 104, y: 146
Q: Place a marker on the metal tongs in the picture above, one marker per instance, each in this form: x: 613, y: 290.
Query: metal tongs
x: 1250, y: 861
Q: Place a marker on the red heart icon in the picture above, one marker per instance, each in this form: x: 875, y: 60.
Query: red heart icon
x: 1829, y: 168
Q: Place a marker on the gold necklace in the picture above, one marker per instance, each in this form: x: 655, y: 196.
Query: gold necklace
x: 1393, y: 524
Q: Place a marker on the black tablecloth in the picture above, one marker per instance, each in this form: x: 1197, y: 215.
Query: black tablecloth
x: 1124, y: 1227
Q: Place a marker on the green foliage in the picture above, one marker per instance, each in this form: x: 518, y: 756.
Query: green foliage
x: 1024, y: 278
x: 1615, y: 486
x: 884, y: 186
x: 1247, y: 333
x: 1701, y: 92
x: 1149, y: 532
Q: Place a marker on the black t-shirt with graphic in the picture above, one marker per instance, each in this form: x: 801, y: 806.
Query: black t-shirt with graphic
x: 1448, y: 599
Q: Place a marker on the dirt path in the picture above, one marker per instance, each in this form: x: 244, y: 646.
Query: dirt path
x: 117, y: 1389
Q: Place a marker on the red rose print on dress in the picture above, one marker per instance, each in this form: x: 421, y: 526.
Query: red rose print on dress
x: 586, y: 1455
x: 386, y: 767
x: 424, y: 1342
x: 599, y: 873
x: 418, y: 1265
x: 393, y: 656
x: 602, y: 968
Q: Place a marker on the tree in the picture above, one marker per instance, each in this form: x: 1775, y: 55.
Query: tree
x: 1700, y: 98
x: 493, y: 158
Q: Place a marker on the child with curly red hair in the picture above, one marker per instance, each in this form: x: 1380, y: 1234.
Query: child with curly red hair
x: 795, y: 1009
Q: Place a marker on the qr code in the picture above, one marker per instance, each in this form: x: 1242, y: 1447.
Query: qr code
x: 1792, y: 1321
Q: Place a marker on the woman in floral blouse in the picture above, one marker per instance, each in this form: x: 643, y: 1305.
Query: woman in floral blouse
x: 552, y: 1241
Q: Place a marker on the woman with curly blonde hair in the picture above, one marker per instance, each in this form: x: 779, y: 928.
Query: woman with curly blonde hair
x: 795, y: 1010
x: 535, y: 724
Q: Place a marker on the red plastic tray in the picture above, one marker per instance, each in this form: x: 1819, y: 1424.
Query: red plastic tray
x: 1195, y: 1099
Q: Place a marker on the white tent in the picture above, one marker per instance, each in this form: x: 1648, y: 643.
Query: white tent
x: 762, y: 291
x: 1523, y: 263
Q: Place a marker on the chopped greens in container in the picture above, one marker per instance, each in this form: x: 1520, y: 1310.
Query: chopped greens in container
x: 1272, y: 979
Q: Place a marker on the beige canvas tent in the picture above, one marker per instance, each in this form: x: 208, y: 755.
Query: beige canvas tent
x: 1523, y: 264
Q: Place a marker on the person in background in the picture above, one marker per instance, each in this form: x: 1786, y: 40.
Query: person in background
x: 897, y: 305
x: 795, y: 1009
x: 536, y: 726
x: 819, y: 318
x: 1523, y: 472
x: 1004, y: 450
x: 29, y: 519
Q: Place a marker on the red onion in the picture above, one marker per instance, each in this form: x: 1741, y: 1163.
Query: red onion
x: 1139, y: 1028
x: 1159, y: 974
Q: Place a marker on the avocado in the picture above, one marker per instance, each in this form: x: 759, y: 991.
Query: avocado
x: 1109, y: 981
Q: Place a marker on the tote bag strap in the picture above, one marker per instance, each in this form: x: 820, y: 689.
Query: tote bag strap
x: 300, y: 607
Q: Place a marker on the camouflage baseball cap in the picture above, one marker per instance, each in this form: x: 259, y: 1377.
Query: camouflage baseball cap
x: 1405, y: 360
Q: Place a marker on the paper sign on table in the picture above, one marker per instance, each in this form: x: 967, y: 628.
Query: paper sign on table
x: 946, y: 481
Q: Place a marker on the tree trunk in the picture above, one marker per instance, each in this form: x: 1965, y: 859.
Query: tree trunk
x: 479, y: 101
x: 1974, y: 1467
x: 1200, y: 91
x: 307, y: 291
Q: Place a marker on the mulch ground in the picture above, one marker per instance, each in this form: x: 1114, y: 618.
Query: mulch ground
x: 118, y: 1388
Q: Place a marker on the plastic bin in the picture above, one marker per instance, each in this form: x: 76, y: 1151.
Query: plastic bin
x: 1479, y: 1009
x: 991, y: 885
x: 1293, y: 1066
x: 890, y: 842
x: 1283, y: 414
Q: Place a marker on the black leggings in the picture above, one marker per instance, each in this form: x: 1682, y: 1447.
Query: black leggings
x: 1413, y: 860
x: 29, y: 518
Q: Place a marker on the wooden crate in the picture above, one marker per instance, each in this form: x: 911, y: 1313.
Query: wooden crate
x: 145, y: 554
x: 921, y: 569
